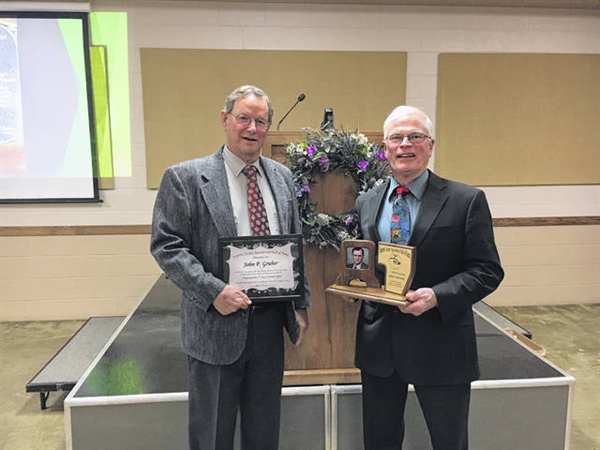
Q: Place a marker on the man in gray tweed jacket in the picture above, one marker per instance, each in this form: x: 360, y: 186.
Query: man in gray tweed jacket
x: 235, y: 348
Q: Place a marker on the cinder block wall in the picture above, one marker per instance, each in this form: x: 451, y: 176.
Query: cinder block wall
x: 73, y: 276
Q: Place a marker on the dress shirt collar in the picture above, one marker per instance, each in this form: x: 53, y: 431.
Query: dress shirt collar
x: 236, y: 165
x: 416, y: 186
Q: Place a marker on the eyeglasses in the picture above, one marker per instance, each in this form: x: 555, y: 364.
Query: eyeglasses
x: 244, y: 120
x: 414, y: 138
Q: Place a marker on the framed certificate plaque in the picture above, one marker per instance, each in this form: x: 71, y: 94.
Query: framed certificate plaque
x: 266, y: 268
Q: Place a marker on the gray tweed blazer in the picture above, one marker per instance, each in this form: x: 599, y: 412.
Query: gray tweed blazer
x: 192, y: 209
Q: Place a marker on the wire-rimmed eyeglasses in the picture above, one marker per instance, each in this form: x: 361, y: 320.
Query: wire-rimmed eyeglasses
x: 414, y: 138
x: 244, y: 120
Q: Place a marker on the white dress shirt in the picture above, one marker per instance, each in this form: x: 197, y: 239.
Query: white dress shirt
x: 237, y: 187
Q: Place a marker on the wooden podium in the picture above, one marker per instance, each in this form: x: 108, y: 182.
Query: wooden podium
x: 327, y: 354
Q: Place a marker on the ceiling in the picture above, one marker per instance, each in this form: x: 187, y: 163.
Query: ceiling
x: 573, y: 5
x: 560, y: 4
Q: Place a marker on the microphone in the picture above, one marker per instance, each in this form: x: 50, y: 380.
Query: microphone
x: 298, y: 100
x: 327, y: 123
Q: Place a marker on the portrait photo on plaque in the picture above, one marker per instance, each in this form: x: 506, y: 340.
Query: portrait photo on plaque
x: 266, y: 268
x: 357, y: 258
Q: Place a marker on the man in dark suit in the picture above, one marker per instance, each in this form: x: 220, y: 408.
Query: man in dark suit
x: 358, y: 255
x: 431, y: 342
x: 235, y: 348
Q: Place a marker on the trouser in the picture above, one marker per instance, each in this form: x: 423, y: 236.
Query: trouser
x: 445, y: 408
x: 251, y: 385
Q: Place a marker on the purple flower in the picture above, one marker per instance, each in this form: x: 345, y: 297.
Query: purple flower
x: 349, y: 219
x: 311, y: 150
x: 380, y: 156
x: 324, y: 162
x: 362, y: 165
x: 303, y: 190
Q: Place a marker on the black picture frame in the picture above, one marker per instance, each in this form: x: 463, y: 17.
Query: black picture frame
x: 50, y: 153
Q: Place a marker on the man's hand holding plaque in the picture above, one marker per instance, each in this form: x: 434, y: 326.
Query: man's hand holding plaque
x: 358, y: 260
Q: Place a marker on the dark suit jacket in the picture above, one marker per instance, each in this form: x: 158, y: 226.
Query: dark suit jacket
x: 362, y: 266
x: 192, y: 209
x: 455, y: 256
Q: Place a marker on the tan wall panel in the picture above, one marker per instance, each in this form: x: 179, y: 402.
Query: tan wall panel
x: 544, y: 235
x: 37, y: 246
x: 544, y: 275
x: 126, y: 286
x: 73, y: 277
x: 548, y: 265
x: 519, y: 119
x: 72, y: 309
x: 184, y: 91
x: 549, y: 254
x: 544, y: 295
x: 78, y: 266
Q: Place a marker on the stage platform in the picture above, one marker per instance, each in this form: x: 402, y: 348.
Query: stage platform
x: 134, y: 395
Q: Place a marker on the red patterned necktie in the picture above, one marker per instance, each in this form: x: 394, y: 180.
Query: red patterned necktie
x: 400, y: 226
x: 259, y: 223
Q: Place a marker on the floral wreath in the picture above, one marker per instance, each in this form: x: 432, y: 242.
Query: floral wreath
x: 324, y: 151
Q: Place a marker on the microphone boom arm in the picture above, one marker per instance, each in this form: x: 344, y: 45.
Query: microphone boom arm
x: 298, y: 100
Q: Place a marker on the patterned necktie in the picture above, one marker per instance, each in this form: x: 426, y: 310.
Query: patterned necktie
x: 259, y: 223
x: 400, y: 226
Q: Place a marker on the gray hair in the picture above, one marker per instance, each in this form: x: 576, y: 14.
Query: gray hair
x: 243, y: 91
x: 405, y: 110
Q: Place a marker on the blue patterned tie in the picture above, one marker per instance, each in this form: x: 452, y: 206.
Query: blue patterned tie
x: 400, y: 226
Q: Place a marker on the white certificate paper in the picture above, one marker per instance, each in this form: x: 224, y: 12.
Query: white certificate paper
x: 262, y: 267
x: 266, y: 268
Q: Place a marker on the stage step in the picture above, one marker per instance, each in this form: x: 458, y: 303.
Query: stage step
x: 67, y: 366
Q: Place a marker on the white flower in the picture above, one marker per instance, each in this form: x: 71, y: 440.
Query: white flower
x: 343, y: 235
x: 323, y: 219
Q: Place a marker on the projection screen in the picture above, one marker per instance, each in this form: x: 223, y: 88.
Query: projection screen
x: 47, y: 139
